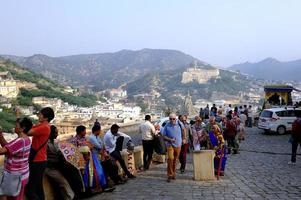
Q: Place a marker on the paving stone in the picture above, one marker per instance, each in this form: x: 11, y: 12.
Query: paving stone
x: 260, y: 171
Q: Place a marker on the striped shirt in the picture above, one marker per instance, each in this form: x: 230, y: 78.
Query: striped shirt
x: 16, y: 158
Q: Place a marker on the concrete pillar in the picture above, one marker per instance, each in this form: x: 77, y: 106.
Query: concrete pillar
x: 138, y: 154
x: 129, y: 160
x: 203, y: 165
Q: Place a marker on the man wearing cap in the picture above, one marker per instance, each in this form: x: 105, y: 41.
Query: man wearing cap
x: 113, y: 141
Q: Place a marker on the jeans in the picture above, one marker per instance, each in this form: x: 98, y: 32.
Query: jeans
x: 117, y: 156
x: 111, y: 169
x: 34, y: 189
x: 183, y: 155
x: 294, y: 149
x: 173, y: 155
x: 148, y: 148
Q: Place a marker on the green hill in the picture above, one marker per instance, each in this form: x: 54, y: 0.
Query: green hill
x: 43, y: 87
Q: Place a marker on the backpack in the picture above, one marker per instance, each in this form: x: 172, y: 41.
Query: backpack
x: 182, y: 126
x: 296, y: 127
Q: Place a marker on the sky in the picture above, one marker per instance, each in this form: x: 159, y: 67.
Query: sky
x: 219, y: 32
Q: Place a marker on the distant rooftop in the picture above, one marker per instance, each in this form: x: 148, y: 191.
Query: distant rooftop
x: 5, y: 75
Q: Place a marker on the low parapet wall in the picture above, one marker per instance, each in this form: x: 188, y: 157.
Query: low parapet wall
x: 126, y: 128
x: 138, y: 162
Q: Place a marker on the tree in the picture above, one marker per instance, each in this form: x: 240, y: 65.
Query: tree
x: 7, y: 120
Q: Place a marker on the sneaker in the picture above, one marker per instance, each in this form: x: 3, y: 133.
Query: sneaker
x: 168, y: 180
x: 182, y: 171
x: 291, y: 163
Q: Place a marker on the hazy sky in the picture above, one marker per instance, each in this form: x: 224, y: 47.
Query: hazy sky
x: 221, y: 32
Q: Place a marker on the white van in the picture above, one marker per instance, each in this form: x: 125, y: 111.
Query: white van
x: 278, y: 120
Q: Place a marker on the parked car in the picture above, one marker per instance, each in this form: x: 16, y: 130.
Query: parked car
x: 278, y: 120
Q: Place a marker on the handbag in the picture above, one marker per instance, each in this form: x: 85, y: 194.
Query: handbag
x: 11, y: 182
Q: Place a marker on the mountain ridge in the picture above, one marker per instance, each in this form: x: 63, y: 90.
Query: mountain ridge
x: 141, y: 71
x: 111, y: 68
x: 271, y: 69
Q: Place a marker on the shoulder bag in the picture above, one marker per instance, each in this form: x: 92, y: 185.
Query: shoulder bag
x: 34, y: 152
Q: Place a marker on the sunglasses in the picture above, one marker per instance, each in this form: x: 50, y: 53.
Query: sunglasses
x: 172, y: 118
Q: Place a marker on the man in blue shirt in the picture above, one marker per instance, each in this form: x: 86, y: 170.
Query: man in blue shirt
x: 172, y: 133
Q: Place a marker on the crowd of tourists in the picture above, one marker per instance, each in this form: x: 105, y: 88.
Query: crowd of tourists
x: 92, y: 168
x: 89, y: 164
x: 216, y: 128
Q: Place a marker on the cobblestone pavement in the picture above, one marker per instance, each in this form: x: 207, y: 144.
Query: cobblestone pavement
x: 260, y: 171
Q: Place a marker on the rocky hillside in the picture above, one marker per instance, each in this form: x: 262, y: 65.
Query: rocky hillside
x: 169, y: 84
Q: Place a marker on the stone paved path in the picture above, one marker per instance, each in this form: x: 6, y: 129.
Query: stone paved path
x: 260, y: 171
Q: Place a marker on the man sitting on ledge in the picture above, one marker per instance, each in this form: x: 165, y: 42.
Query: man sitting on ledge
x: 113, y: 140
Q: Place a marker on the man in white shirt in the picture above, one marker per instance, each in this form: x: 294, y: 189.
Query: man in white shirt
x: 113, y: 141
x: 147, y: 131
x: 243, y: 118
x: 228, y: 109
